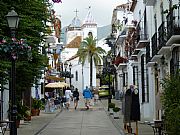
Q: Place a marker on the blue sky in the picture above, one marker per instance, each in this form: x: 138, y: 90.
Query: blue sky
x: 101, y: 10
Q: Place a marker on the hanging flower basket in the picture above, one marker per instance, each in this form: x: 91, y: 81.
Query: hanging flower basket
x: 14, y: 49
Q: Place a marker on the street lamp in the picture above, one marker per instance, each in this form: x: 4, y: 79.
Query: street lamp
x: 65, y: 66
x: 13, y: 21
x: 70, y: 66
x: 100, y: 69
x: 108, y: 70
x: 110, y: 40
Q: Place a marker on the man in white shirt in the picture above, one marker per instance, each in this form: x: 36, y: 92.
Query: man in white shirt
x: 68, y: 95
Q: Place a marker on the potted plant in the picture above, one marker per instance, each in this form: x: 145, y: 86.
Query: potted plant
x: 111, y: 106
x: 21, y: 111
x: 116, y: 112
x: 36, y: 106
x: 28, y: 115
x: 34, y: 109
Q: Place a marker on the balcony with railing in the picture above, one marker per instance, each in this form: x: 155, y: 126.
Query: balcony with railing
x: 142, y: 40
x: 148, y: 56
x: 173, y: 26
x: 141, y: 36
x: 162, y: 39
x: 154, y: 44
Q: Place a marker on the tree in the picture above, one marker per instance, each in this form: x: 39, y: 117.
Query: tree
x: 89, y: 51
x: 32, y: 26
x: 171, y: 103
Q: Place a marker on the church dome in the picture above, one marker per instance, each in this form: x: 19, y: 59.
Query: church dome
x: 76, y: 22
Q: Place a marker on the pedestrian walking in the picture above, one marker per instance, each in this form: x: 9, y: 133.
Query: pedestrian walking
x: 87, y: 96
x: 76, y: 98
x: 96, y: 95
x: 63, y: 101
x: 68, y: 96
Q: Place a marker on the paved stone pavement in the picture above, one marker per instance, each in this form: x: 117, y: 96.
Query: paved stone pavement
x: 81, y: 122
x: 96, y: 121
x: 143, y: 128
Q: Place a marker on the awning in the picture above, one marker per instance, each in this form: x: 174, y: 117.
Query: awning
x: 57, y: 85
x: 65, y: 84
x: 54, y: 78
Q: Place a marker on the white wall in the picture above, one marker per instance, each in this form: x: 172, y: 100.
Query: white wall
x: 72, y: 34
x: 88, y: 29
x: 83, y: 78
x: 76, y: 66
x: 5, y: 102
x: 68, y: 53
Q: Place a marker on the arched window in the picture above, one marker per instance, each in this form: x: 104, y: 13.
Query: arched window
x: 90, y: 34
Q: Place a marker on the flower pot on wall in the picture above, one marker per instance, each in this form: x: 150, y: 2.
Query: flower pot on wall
x: 116, y: 115
x: 116, y: 112
x: 111, y: 106
x: 110, y: 111
x: 34, y: 112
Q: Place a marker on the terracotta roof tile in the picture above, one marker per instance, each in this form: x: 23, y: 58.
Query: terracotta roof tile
x: 75, y: 43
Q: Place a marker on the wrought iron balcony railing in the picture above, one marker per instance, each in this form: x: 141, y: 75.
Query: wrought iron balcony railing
x: 173, y: 22
x: 154, y: 44
x: 148, y: 57
x: 162, y: 35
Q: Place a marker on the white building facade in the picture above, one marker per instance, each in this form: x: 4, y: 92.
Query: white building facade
x: 75, y: 33
x: 148, y: 50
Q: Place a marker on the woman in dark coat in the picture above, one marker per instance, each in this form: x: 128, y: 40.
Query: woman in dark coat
x: 76, y: 98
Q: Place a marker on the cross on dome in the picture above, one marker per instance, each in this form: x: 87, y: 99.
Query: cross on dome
x: 76, y: 22
x: 76, y: 11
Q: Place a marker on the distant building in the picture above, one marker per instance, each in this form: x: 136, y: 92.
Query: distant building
x: 75, y: 33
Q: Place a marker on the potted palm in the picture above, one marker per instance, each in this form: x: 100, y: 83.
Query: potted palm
x: 36, y: 106
x: 116, y: 112
x: 111, y: 106
x: 21, y: 112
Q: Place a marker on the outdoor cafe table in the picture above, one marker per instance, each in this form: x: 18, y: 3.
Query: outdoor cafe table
x: 157, y: 127
x: 4, y: 124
